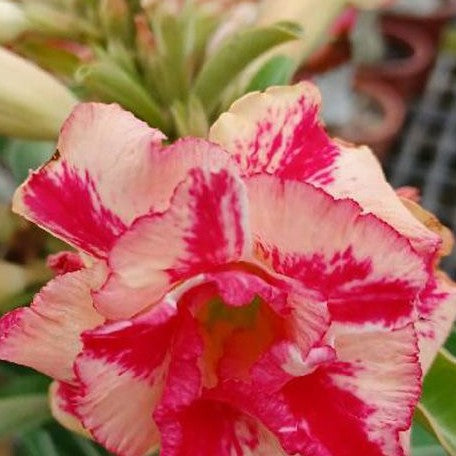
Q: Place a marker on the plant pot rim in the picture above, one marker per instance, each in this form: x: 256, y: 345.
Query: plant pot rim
x: 391, y: 105
x: 422, y: 53
x: 445, y: 11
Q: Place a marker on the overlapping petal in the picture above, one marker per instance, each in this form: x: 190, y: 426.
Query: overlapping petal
x: 204, y: 227
x: 62, y: 399
x: 46, y: 335
x: 369, y: 395
x: 278, y: 132
x: 437, y: 304
x: 121, y: 382
x: 366, y: 270
x: 437, y: 320
x: 109, y: 168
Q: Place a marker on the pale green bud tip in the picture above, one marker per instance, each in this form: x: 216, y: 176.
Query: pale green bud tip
x: 34, y: 103
x: 115, y: 17
x: 12, y: 21
x: 13, y: 279
x: 114, y: 8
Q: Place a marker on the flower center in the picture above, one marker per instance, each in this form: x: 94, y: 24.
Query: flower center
x: 235, y: 335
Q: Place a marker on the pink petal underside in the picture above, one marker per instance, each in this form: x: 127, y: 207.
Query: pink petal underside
x: 366, y: 270
x: 122, y: 369
x: 109, y: 168
x: 61, y: 399
x: 278, y: 132
x: 204, y: 227
x: 46, y: 335
x: 63, y: 262
x: 438, y: 310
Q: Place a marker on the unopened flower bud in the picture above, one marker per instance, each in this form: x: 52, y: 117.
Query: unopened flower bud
x: 34, y: 104
x: 116, y: 19
x: 12, y: 21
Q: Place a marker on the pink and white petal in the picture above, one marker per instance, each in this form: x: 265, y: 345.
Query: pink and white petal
x: 299, y: 349
x: 367, y: 271
x: 437, y: 320
x: 278, y: 132
x: 382, y: 369
x: 432, y: 223
x: 109, y: 168
x: 286, y: 361
x: 308, y: 322
x: 46, y: 335
x: 61, y: 401
x: 95, y: 182
x: 238, y: 288
x: 204, y: 227
x: 358, y: 175
x: 184, y: 384
x: 214, y: 428
x: 409, y: 193
x: 122, y: 381
x: 368, y: 396
x: 184, y: 411
x: 63, y: 262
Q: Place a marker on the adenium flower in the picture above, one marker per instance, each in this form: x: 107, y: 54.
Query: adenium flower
x: 262, y: 293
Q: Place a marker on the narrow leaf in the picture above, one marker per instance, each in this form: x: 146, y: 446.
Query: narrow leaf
x: 21, y: 156
x: 234, y: 55
x: 276, y: 71
x: 113, y: 84
x: 38, y: 443
x: 437, y: 409
x: 22, y: 412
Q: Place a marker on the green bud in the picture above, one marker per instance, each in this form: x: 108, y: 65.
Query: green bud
x: 53, y: 22
x: 190, y: 118
x: 112, y: 83
x: 116, y: 19
x: 33, y: 104
x: 13, y: 279
x: 12, y: 21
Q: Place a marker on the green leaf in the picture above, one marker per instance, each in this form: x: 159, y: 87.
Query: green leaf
x: 38, y: 443
x: 437, y: 409
x: 22, y: 412
x: 451, y: 342
x: 234, y: 55
x: 190, y: 118
x: 69, y: 443
x: 24, y: 384
x: 17, y: 300
x: 423, y: 443
x: 21, y: 156
x: 51, y: 57
x: 276, y: 71
x: 168, y: 69
x: 112, y: 83
x: 428, y: 450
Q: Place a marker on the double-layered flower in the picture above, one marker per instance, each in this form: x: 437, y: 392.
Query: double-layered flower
x: 262, y: 293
